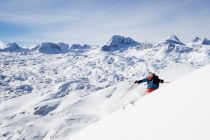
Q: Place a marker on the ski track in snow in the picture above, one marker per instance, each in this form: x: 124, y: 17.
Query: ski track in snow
x: 52, y: 96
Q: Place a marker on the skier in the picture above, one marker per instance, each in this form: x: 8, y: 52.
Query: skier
x: 152, y: 82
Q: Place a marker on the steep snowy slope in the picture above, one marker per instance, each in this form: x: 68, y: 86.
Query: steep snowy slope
x: 179, y: 111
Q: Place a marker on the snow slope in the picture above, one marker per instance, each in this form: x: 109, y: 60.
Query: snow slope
x: 179, y: 111
x: 53, y: 95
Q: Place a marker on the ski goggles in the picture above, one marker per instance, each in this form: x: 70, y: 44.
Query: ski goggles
x: 149, y: 77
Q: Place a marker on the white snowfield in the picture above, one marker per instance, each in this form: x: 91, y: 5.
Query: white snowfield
x: 179, y: 111
x: 53, y: 90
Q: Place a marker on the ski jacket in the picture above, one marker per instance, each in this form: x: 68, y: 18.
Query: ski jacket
x: 153, y: 83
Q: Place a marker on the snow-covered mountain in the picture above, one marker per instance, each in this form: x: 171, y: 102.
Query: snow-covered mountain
x: 57, y: 89
x: 77, y: 48
x: 60, y: 48
x: 119, y: 43
x: 200, y: 41
x: 206, y: 41
x: 178, y: 111
x: 11, y: 47
x: 52, y: 48
x: 172, y: 40
x: 2, y: 45
x: 80, y: 47
x: 197, y: 39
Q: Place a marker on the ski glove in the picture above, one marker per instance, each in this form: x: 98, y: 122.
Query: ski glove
x: 138, y: 82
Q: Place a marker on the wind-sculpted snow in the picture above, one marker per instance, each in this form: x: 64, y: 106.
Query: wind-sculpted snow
x: 48, y: 95
x: 44, y: 108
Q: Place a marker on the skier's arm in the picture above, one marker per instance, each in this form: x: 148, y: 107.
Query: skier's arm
x: 141, y: 81
x: 161, y: 81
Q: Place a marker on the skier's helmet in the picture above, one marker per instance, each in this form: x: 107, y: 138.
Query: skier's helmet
x: 150, y: 75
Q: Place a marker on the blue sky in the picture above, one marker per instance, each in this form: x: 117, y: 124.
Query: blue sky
x: 95, y: 21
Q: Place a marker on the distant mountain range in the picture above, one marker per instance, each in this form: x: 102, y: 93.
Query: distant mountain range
x: 116, y: 43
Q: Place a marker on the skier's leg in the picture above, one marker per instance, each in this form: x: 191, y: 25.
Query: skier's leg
x: 149, y: 90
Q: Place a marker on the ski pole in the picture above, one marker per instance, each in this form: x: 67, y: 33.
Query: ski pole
x: 128, y: 90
